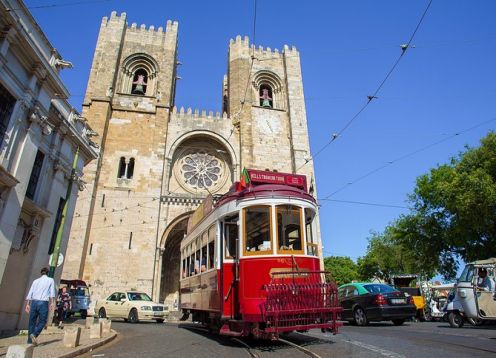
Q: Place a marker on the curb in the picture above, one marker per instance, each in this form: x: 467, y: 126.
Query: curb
x: 86, y: 349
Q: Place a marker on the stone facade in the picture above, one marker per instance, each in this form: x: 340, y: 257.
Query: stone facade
x: 39, y: 136
x: 127, y: 227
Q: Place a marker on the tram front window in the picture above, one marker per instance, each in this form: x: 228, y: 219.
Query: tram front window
x: 289, y: 235
x: 257, y: 230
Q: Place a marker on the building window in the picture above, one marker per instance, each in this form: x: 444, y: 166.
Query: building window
x: 7, y: 102
x: 140, y: 80
x: 35, y: 175
x: 139, y: 75
x: 58, y: 220
x: 126, y: 168
x: 269, y: 90
x: 265, y: 96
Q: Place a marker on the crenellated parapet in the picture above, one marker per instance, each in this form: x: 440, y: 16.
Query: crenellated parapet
x: 114, y: 18
x: 197, y: 113
x: 241, y: 45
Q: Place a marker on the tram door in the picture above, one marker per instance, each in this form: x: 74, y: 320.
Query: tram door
x: 231, y: 253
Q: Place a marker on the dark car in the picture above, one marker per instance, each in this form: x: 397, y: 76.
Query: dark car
x: 365, y: 302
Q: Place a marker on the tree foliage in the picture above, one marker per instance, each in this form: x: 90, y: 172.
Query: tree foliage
x: 386, y: 256
x: 454, y: 210
x: 343, y: 269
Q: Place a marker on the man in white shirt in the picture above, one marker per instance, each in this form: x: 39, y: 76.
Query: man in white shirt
x: 41, y: 293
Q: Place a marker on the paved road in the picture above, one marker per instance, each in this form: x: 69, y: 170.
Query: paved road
x: 377, y: 340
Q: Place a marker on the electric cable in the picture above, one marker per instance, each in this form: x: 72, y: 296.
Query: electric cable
x: 405, y: 156
x: 370, y: 98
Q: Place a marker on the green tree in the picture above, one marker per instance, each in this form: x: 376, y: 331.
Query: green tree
x: 454, y: 210
x: 387, y: 256
x: 343, y: 269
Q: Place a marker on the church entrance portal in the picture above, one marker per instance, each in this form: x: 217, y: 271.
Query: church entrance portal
x: 171, y: 263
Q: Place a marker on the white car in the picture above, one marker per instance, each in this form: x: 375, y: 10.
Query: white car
x: 131, y: 306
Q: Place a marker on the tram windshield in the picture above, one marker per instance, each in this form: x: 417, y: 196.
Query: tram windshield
x: 257, y: 230
x: 289, y: 233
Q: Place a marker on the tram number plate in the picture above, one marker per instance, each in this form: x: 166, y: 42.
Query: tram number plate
x: 398, y: 301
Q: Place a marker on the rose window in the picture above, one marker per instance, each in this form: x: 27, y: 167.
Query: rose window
x: 201, y: 170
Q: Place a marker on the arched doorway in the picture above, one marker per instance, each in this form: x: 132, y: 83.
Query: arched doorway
x: 171, y: 262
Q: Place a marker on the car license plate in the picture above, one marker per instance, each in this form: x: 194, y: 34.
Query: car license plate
x: 398, y: 301
x: 157, y: 313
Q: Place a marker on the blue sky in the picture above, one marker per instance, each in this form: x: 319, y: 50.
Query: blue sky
x: 444, y: 85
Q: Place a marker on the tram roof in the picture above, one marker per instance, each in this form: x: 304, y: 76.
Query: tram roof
x: 264, y: 191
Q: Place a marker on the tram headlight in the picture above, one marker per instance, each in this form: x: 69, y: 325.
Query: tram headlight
x: 146, y: 308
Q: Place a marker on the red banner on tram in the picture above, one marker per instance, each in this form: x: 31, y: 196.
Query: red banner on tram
x: 265, y: 177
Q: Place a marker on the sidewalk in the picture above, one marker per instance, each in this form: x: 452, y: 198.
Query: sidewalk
x: 50, y: 343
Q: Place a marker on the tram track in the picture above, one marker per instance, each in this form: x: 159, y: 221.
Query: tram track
x: 248, y: 348
x: 300, y: 348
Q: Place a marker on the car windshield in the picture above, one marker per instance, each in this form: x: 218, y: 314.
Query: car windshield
x: 138, y: 296
x: 378, y: 288
x: 80, y: 291
x: 467, y: 274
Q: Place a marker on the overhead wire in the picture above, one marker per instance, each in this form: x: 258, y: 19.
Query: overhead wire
x: 405, y: 156
x: 47, y: 6
x: 370, y: 98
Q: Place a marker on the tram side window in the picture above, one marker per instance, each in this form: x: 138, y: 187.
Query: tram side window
x: 211, y: 247
x: 230, y: 240
x: 312, y: 247
x: 185, y: 270
x: 257, y: 229
x: 289, y: 234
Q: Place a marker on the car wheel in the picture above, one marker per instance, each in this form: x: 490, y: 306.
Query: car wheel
x: 455, y: 320
x: 133, y: 316
x: 159, y: 320
x: 84, y: 314
x: 398, y: 322
x: 360, y: 317
x: 475, y: 321
x: 102, y: 313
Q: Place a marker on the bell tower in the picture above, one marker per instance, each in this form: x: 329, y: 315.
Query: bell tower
x: 128, y: 102
x: 267, y: 105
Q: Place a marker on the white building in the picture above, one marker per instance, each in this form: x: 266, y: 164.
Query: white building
x: 39, y: 135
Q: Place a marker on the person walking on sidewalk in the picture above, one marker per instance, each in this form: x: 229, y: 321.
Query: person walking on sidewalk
x: 41, y: 294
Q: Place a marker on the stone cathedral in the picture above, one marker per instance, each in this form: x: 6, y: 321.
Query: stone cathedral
x: 157, y: 162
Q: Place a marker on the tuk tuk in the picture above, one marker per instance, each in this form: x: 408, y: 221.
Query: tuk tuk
x: 402, y: 283
x: 477, y: 301
x: 436, y: 299
x: 80, y: 296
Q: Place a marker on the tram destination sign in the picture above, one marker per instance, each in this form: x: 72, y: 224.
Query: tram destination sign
x: 265, y: 177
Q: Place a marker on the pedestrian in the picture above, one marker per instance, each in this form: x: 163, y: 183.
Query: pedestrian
x: 63, y: 305
x: 41, y: 295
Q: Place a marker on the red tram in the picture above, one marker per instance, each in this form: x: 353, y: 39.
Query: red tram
x: 250, y: 263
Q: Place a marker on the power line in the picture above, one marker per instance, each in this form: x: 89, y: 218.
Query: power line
x: 370, y: 98
x: 365, y: 203
x: 405, y: 156
x: 59, y: 5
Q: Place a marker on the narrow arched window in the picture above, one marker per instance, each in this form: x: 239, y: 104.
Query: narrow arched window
x: 130, y: 169
x: 265, y: 94
x: 140, y: 81
x: 122, y: 168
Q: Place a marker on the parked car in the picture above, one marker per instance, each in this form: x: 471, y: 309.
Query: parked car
x: 365, y: 302
x: 80, y: 296
x: 131, y: 306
